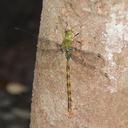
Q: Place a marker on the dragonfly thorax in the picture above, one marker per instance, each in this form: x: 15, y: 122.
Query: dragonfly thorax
x: 69, y: 35
x: 68, y: 40
x: 67, y: 43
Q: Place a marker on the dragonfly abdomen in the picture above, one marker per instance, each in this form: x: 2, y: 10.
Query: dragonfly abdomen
x: 68, y: 87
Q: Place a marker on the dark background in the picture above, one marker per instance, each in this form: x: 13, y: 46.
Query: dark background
x: 17, y: 59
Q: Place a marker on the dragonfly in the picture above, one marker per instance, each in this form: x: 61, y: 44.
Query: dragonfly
x: 90, y: 60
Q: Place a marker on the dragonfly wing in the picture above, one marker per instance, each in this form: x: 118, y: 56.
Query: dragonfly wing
x: 49, y: 53
x: 89, y: 59
x: 45, y: 43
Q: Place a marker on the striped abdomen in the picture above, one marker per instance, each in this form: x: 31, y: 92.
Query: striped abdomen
x: 68, y: 87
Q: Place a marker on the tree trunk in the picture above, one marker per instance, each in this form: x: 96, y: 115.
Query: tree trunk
x: 99, y: 68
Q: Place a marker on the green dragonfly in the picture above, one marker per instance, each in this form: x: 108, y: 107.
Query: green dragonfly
x: 90, y: 60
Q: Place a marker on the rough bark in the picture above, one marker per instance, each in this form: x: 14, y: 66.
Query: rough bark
x: 99, y: 78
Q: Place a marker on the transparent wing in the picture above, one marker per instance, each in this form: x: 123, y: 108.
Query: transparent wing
x: 46, y: 44
x: 89, y: 59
